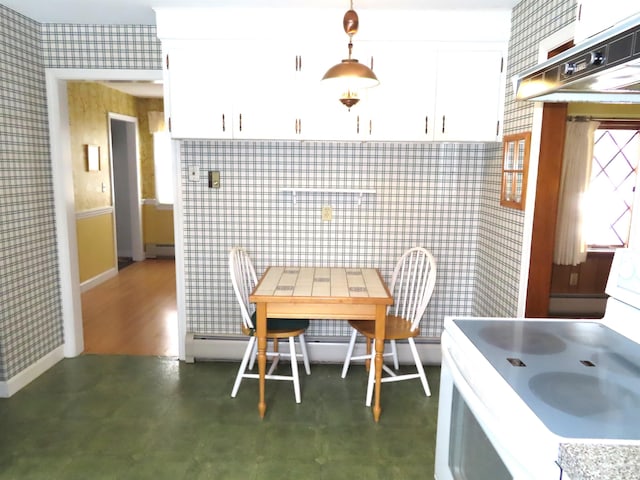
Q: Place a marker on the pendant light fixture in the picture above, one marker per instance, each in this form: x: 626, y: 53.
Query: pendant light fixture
x: 350, y: 75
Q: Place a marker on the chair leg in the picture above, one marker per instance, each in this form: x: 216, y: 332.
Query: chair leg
x: 305, y: 354
x: 372, y: 375
x: 294, y: 369
x: 254, y: 355
x: 423, y: 376
x: 347, y: 360
x: 394, y: 354
x: 248, y: 352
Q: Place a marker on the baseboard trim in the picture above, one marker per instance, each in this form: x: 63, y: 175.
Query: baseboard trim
x: 321, y: 350
x: 98, y: 279
x: 29, y: 374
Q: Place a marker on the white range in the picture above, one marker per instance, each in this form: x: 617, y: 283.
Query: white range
x: 514, y: 391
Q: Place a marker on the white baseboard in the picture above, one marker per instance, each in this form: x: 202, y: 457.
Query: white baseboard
x: 29, y: 374
x: 332, y: 350
x: 155, y: 250
x: 98, y: 279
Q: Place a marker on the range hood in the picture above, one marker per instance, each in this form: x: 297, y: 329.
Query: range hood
x: 605, y: 69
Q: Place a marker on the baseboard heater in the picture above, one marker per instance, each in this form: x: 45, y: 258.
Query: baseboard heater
x: 321, y: 349
x: 159, y: 250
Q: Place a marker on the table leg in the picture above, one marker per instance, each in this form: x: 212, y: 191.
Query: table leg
x: 261, y: 333
x: 381, y: 316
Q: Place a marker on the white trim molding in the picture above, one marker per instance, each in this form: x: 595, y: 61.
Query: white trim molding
x: 29, y: 374
x: 94, y: 212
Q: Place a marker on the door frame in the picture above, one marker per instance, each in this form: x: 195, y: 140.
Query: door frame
x: 135, y: 197
x: 64, y: 202
x: 551, y: 42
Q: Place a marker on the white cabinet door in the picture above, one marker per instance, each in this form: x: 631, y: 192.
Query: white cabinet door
x: 469, y: 95
x: 266, y: 92
x: 199, y: 91
x: 322, y: 115
x: 594, y: 16
x: 402, y: 106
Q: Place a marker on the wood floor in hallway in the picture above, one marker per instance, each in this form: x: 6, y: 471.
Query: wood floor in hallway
x: 133, y: 313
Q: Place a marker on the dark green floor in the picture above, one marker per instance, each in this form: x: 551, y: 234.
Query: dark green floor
x: 117, y: 417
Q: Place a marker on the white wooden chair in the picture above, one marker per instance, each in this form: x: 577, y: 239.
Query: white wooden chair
x: 244, y: 279
x: 411, y: 286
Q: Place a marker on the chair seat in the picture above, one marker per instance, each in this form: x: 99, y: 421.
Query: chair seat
x: 280, y: 327
x: 396, y: 328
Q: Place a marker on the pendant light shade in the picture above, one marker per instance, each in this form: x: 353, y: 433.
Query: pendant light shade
x: 349, y: 75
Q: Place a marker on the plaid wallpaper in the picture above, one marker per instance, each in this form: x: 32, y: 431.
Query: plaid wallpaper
x: 427, y: 194
x: 500, y: 229
x: 30, y: 309
x: 133, y: 47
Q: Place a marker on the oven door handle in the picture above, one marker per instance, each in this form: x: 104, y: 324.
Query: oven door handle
x: 490, y: 424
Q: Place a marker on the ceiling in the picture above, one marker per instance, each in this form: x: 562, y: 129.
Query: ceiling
x: 141, y: 12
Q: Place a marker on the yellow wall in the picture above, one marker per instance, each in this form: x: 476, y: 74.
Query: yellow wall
x: 89, y: 106
x: 157, y: 225
x: 148, y: 181
x: 604, y: 110
x: 96, y: 249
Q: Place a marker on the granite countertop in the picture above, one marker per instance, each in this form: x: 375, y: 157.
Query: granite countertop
x: 593, y: 461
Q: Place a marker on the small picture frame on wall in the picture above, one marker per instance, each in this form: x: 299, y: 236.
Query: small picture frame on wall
x: 93, y: 158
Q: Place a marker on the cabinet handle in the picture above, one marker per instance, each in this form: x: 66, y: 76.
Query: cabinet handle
x: 169, y: 123
x: 370, y: 126
x: 371, y: 62
x: 497, y: 127
x: 358, y: 124
x: 443, y: 120
x: 580, y: 12
x: 296, y: 128
x: 240, y: 120
x: 224, y: 127
x: 426, y: 124
x: 299, y: 125
x: 299, y: 63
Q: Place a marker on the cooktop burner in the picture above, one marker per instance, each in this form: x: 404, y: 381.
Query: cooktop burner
x: 580, y: 378
x: 523, y: 339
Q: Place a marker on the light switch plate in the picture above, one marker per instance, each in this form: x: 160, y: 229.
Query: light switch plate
x: 194, y: 174
x: 214, y: 179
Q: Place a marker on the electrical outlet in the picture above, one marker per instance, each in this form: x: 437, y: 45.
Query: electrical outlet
x: 194, y: 174
x: 327, y: 213
x: 573, y: 279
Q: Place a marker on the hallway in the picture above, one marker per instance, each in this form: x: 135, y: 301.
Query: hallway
x: 133, y: 313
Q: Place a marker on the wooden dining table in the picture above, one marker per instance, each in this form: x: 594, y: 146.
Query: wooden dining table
x: 333, y: 293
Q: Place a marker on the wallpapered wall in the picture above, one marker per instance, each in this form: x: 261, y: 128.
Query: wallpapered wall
x: 30, y: 309
x: 89, y: 106
x: 500, y: 233
x: 426, y: 194
x: 30, y: 286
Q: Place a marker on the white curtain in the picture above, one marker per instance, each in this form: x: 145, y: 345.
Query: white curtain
x: 570, y: 246
x: 156, y: 122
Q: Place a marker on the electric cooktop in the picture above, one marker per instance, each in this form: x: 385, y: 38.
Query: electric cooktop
x: 580, y: 378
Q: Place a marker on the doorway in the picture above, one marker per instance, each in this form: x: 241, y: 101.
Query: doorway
x: 123, y: 139
x: 62, y: 168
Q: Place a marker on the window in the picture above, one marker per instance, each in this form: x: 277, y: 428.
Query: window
x: 163, y: 167
x: 614, y: 178
x: 515, y: 162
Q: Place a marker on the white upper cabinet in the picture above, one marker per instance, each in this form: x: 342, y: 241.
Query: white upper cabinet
x: 268, y: 85
x: 198, y: 90
x: 594, y: 16
x: 219, y: 89
x: 469, y: 95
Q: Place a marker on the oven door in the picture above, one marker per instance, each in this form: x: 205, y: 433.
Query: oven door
x: 468, y: 444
